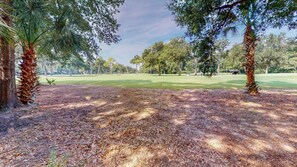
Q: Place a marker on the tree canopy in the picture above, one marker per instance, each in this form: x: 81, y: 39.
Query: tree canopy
x: 59, y: 30
x: 206, y: 20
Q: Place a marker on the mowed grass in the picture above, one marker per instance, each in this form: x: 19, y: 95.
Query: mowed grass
x: 224, y: 81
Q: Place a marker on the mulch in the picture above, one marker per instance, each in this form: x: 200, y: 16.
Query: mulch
x: 105, y: 126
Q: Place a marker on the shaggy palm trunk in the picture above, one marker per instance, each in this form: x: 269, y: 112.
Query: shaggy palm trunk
x: 28, y: 78
x: 8, y: 98
x: 249, y: 43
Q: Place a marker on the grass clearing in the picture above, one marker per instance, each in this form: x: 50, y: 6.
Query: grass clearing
x: 269, y: 81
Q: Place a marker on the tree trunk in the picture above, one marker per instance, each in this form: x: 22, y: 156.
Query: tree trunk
x: 111, y: 72
x: 136, y: 69
x: 219, y: 65
x: 8, y: 97
x: 267, y: 68
x: 159, y: 69
x: 249, y: 43
x: 51, y: 68
x: 127, y: 70
x: 70, y: 70
x: 28, y: 78
x: 196, y: 62
x: 45, y: 69
x: 179, y: 69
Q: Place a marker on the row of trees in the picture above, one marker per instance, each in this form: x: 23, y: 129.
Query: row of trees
x: 49, y: 28
x: 76, y: 65
x: 274, y: 53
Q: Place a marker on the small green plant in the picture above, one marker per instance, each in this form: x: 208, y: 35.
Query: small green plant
x: 54, y: 161
x: 51, y: 81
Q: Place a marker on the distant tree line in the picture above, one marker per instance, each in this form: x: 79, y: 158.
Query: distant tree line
x: 78, y: 65
x: 274, y: 54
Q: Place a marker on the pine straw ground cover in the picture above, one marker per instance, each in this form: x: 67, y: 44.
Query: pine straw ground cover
x: 99, y: 126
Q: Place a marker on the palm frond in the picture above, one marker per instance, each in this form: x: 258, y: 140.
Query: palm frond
x: 6, y: 31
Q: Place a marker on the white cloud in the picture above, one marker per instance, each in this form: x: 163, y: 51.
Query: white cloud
x: 143, y: 22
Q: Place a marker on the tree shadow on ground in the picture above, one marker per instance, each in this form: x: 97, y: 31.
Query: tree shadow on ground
x: 195, y: 128
x: 143, y: 127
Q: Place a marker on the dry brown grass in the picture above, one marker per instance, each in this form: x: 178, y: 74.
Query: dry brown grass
x: 97, y: 126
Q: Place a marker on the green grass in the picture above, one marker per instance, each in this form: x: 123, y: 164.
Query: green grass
x: 270, y: 81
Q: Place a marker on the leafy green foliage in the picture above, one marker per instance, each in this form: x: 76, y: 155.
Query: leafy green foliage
x: 207, y: 60
x: 109, y: 63
x: 136, y: 60
x: 176, y: 51
x: 220, y: 52
x: 50, y: 81
x: 291, y: 54
x: 234, y: 58
x: 167, y: 58
x: 271, y: 51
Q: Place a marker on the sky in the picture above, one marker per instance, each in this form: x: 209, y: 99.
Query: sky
x: 144, y: 22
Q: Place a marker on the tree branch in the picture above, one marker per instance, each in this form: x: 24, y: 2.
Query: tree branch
x: 230, y: 5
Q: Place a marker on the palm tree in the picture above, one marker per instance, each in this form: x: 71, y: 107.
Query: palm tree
x: 55, y: 38
x: 33, y: 23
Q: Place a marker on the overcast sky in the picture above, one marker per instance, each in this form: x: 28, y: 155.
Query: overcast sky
x: 144, y: 22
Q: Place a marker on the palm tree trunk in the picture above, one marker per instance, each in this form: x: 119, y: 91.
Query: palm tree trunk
x: 249, y: 43
x: 8, y: 97
x: 28, y: 79
x: 267, y: 68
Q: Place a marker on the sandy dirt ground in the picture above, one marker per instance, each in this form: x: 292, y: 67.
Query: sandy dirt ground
x: 101, y: 126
